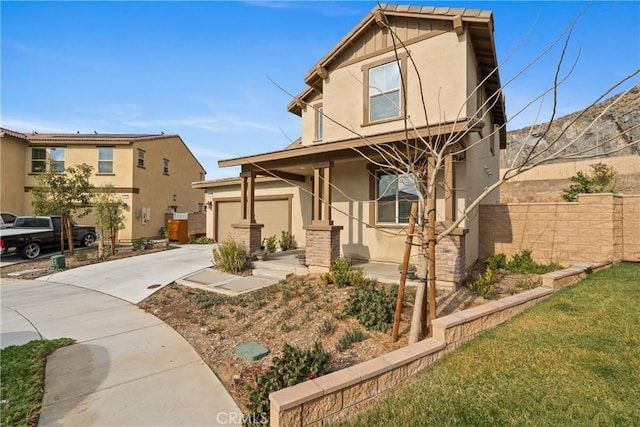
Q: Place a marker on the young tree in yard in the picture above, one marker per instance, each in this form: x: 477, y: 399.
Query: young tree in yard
x: 65, y: 194
x: 108, y: 214
x: 422, y: 159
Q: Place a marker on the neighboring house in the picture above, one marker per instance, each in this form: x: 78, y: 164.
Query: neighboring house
x: 151, y: 174
x: 328, y: 188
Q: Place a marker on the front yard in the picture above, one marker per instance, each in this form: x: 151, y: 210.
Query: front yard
x: 570, y: 360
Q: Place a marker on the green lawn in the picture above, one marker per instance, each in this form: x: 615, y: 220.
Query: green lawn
x: 22, y: 380
x: 572, y: 360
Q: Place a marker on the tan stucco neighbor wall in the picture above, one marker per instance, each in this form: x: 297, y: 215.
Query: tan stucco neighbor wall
x: 597, y: 228
x: 12, y: 174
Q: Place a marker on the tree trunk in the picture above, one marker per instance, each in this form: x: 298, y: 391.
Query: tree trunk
x: 431, y: 259
x: 62, y: 227
x: 69, y: 235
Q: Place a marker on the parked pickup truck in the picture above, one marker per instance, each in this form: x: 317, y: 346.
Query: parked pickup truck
x: 30, y: 234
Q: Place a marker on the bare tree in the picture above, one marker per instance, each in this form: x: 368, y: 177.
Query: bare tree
x: 423, y: 158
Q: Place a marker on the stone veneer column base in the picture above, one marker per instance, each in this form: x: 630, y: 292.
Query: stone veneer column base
x: 322, y: 246
x: 248, y: 235
x: 451, y: 261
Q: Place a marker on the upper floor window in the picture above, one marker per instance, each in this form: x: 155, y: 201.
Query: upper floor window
x: 38, y: 160
x: 384, y: 92
x: 319, y: 122
x: 394, y: 195
x: 140, y: 158
x: 40, y: 156
x: 200, y: 176
x: 105, y: 159
x: 165, y: 166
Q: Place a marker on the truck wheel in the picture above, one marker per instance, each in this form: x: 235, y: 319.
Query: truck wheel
x: 30, y: 251
x: 88, y: 240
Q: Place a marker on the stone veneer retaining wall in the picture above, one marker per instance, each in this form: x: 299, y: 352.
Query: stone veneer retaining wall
x: 331, y: 397
x: 599, y: 227
x: 322, y: 245
x: 248, y: 235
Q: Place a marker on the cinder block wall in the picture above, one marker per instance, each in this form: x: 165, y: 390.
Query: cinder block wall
x: 597, y: 228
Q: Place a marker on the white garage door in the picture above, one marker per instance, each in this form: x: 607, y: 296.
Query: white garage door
x: 274, y: 214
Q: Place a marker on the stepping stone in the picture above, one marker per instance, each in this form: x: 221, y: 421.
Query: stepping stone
x: 251, y: 351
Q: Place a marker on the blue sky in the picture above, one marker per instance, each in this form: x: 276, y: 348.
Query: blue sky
x: 200, y: 69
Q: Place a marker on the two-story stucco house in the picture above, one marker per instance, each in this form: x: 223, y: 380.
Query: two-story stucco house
x: 332, y: 189
x: 151, y: 174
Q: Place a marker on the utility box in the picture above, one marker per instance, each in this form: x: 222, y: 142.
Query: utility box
x: 58, y: 262
x: 178, y: 230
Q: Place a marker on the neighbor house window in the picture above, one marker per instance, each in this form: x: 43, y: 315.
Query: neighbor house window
x: 384, y: 92
x: 105, y: 159
x: 319, y: 123
x: 140, y: 158
x: 56, y: 156
x: 394, y: 195
x: 165, y: 166
x: 38, y: 160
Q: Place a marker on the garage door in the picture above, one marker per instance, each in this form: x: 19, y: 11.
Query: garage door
x: 275, y: 214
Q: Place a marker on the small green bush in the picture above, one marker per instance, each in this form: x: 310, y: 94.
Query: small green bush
x: 205, y: 300
x: 293, y: 367
x: 485, y: 283
x: 342, y: 274
x: 285, y: 240
x: 326, y: 327
x: 230, y: 257
x: 497, y: 261
x: 350, y: 337
x: 204, y: 240
x: 372, y: 306
x: 523, y: 263
x: 142, y: 243
x: 270, y: 243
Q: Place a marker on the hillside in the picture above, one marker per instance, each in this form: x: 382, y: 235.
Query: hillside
x: 622, y: 116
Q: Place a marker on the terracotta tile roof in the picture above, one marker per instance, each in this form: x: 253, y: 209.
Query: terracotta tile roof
x: 14, y: 134
x: 95, y: 137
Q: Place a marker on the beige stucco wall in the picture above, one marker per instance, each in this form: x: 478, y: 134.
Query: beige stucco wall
x: 443, y: 65
x: 157, y: 190
x: 12, y: 174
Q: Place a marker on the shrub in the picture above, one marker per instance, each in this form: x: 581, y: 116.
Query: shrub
x: 350, y: 337
x: 204, y: 240
x: 523, y: 263
x: 293, y: 367
x: 485, y: 283
x: 326, y: 327
x: 372, y: 306
x: 206, y: 300
x: 285, y: 241
x: 342, y: 274
x: 602, y: 180
x: 497, y: 261
x: 230, y: 257
x: 142, y: 243
x: 270, y: 243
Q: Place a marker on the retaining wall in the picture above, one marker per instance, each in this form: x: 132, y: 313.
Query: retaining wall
x: 334, y: 396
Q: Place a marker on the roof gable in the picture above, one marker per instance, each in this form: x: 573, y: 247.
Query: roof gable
x: 412, y: 24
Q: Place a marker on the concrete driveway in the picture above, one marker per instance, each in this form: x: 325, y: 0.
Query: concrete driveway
x: 130, y: 278
x: 128, y: 368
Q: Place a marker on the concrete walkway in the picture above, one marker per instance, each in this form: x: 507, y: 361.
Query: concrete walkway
x: 128, y: 368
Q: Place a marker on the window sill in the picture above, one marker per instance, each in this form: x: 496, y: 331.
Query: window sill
x: 389, y: 226
x: 141, y: 167
x: 377, y: 122
x: 165, y: 174
x: 105, y: 174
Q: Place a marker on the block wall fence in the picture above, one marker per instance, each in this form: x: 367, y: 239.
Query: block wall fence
x: 596, y: 228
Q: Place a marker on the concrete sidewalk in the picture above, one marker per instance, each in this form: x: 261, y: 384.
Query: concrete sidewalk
x: 128, y: 368
x: 130, y: 278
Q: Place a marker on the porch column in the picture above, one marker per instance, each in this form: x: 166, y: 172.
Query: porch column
x: 247, y: 232
x: 322, y: 237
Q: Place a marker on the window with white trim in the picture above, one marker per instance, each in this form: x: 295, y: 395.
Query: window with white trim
x: 165, y: 166
x: 105, y: 159
x: 140, y: 158
x: 55, y: 156
x: 38, y: 160
x: 394, y: 195
x: 384, y: 92
x: 319, y: 123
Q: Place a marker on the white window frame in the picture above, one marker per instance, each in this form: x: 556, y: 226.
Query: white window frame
x: 42, y: 162
x: 57, y: 162
x: 105, y: 162
x: 319, y: 122
x: 140, y: 162
x: 386, y: 90
x: 394, y: 186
